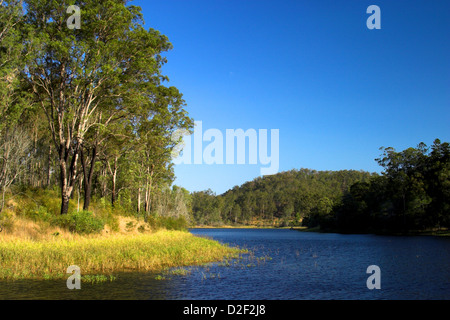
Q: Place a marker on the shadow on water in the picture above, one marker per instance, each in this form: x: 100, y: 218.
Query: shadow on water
x: 281, y: 265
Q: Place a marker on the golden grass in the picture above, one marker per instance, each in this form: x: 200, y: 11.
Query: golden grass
x: 49, y: 258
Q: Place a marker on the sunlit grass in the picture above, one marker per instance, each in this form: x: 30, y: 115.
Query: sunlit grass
x: 50, y: 258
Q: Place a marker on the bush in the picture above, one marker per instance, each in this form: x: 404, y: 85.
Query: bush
x: 176, y: 223
x: 169, y: 223
x: 6, y: 221
x: 83, y: 222
x: 41, y: 214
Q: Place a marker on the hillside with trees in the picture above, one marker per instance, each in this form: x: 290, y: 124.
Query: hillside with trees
x: 282, y: 199
x: 411, y: 194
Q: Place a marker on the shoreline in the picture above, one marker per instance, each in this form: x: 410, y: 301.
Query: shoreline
x: 437, y: 233
x: 102, y: 257
x: 244, y: 227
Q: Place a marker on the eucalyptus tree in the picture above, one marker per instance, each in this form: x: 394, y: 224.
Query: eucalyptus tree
x: 14, y: 139
x: 11, y: 105
x: 80, y: 77
x: 155, y: 138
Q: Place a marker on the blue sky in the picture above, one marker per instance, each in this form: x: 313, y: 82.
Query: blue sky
x: 336, y: 90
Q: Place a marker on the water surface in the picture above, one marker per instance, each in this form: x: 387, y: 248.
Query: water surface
x: 284, y: 265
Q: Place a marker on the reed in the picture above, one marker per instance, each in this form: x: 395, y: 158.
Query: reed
x: 105, y: 255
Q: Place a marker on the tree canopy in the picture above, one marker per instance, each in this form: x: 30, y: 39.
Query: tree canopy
x: 92, y: 100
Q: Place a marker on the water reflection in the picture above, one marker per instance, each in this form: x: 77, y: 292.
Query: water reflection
x: 284, y: 264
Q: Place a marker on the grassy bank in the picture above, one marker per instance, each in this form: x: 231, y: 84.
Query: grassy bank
x: 36, y: 242
x: 441, y: 233
x: 49, y: 259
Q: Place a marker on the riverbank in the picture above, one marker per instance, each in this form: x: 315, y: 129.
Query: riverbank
x: 245, y: 227
x: 105, y: 255
x: 440, y: 233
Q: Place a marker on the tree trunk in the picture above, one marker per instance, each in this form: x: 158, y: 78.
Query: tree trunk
x: 79, y: 193
x: 148, y: 189
x: 64, y: 204
x: 147, y: 200
x: 65, y: 190
x: 114, y: 175
x: 102, y: 181
x: 67, y: 176
x: 88, y: 177
x: 49, y: 160
x: 3, y: 198
x: 139, y: 201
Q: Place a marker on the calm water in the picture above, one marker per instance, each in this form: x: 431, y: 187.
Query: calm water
x: 301, y: 266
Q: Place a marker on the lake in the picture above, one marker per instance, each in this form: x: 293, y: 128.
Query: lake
x: 283, y: 265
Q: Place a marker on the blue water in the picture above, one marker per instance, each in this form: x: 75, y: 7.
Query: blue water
x: 333, y: 266
x: 283, y: 265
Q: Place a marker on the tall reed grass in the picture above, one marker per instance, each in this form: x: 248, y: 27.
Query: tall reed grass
x: 50, y: 258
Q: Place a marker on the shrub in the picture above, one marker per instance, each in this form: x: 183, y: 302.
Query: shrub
x: 179, y: 223
x: 129, y: 226
x: 83, y: 222
x: 41, y: 214
x: 6, y: 221
x: 168, y: 223
x: 112, y: 222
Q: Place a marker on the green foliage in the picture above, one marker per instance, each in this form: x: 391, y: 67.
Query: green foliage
x: 287, y: 197
x: 412, y: 194
x: 169, y: 223
x: 11, y: 102
x: 116, y: 102
x: 129, y: 226
x: 6, y: 221
x: 83, y: 222
x: 38, y: 204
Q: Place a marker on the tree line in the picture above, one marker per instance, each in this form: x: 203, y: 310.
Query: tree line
x: 412, y: 193
x: 88, y: 109
x: 281, y: 199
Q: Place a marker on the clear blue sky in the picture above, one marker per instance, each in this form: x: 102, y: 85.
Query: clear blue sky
x: 336, y: 90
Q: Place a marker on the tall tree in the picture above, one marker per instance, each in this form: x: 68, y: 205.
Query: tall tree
x: 75, y: 74
x: 11, y: 105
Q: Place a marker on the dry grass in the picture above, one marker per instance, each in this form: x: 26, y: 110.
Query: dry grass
x: 25, y: 229
x: 33, y: 251
x: 32, y: 246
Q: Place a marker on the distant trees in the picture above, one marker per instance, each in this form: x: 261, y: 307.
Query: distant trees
x: 15, y: 147
x: 412, y: 194
x: 288, y: 197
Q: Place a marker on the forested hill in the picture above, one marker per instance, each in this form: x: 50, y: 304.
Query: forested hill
x: 411, y: 194
x: 280, y: 199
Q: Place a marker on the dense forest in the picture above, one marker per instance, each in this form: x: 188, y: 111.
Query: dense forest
x: 86, y: 111
x: 411, y: 194
x: 281, y: 199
